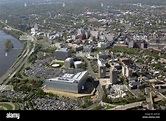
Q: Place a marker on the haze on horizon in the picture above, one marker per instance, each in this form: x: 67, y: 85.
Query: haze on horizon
x: 159, y: 2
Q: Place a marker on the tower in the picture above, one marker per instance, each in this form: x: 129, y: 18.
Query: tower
x: 113, y: 75
x: 63, y: 5
x: 123, y: 70
x: 126, y: 71
x: 102, y: 71
x: 101, y: 68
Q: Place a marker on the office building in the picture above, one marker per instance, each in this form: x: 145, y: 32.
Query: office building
x: 113, y: 75
x: 101, y: 68
x: 78, y: 64
x: 68, y: 82
x: 102, y: 45
x: 126, y: 71
x: 68, y: 63
x: 62, y: 53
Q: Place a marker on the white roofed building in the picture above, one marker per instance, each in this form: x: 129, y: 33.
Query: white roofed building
x: 68, y: 82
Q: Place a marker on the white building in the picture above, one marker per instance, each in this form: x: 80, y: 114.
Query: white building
x: 68, y: 62
x: 68, y: 82
x: 126, y: 71
x: 102, y: 45
x: 78, y: 64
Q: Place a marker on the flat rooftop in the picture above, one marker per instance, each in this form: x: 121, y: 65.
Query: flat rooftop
x: 63, y: 49
x: 68, y: 78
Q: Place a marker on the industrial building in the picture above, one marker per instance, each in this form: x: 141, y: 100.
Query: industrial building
x: 68, y: 82
x: 62, y: 53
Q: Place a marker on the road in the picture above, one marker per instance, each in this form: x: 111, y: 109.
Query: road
x: 18, y: 65
x: 9, y: 103
x: 95, y: 83
x: 149, y: 99
x: 160, y: 94
x: 21, y: 106
x: 20, y: 61
x: 12, y: 27
x: 128, y: 106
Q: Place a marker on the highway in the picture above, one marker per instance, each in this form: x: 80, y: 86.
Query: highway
x: 13, y: 70
x: 20, y: 61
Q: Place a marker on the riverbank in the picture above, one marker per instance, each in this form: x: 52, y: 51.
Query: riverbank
x: 8, y: 58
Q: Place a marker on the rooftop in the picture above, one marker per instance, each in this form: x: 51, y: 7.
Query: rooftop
x: 101, y: 62
x: 69, y: 78
x: 62, y: 49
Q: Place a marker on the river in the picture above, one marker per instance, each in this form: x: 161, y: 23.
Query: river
x: 6, y: 60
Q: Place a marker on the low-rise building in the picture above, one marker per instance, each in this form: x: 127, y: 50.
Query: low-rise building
x: 62, y: 53
x: 67, y: 83
x: 78, y: 64
x: 68, y: 62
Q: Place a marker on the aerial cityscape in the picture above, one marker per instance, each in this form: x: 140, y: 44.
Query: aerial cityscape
x: 83, y: 55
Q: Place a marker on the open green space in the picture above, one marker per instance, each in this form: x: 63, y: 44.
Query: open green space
x: 9, y: 107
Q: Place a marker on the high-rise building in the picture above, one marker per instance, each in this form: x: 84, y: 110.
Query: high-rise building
x: 102, y: 71
x: 126, y: 71
x: 101, y: 68
x: 113, y: 75
x: 36, y: 27
x: 131, y: 44
x: 123, y: 70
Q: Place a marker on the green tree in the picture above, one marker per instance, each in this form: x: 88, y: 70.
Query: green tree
x: 8, y: 45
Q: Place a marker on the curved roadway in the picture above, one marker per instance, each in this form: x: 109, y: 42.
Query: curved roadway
x: 95, y: 83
